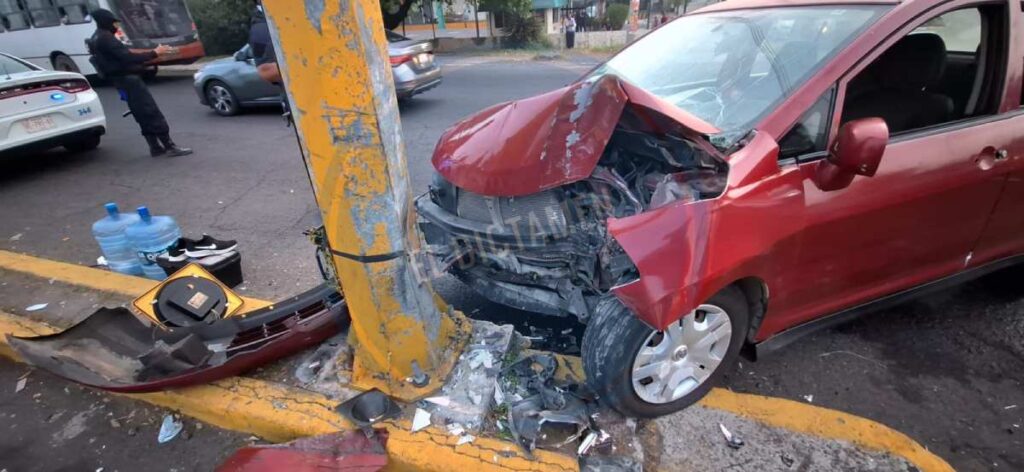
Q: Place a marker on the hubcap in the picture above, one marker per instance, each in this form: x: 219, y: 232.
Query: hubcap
x: 674, y: 362
x: 220, y: 98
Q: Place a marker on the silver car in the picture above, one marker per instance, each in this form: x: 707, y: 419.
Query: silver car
x: 230, y: 84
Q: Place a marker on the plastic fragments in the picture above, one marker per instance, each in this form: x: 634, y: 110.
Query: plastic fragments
x: 170, y: 428
x: 102, y: 261
x: 440, y: 401
x: 36, y: 307
x: 456, y: 429
x: 481, y: 357
x: 731, y: 440
x: 1009, y: 407
x: 466, y: 439
x: 809, y: 398
x: 21, y: 384
x: 420, y: 420
x: 16, y: 237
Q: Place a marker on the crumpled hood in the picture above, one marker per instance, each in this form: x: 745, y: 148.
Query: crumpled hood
x: 526, y: 146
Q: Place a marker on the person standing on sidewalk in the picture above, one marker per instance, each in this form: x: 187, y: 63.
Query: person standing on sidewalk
x: 123, y: 67
x: 570, y: 31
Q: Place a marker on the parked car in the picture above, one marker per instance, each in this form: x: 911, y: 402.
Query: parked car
x: 230, y: 84
x: 740, y: 177
x: 42, y: 109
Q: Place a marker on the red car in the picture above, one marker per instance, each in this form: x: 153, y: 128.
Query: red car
x: 739, y: 177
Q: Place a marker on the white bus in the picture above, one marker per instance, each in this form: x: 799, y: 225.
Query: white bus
x: 52, y: 33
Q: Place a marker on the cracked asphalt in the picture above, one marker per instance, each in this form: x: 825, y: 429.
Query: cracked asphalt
x: 946, y: 370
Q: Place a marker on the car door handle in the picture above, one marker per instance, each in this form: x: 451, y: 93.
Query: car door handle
x: 989, y: 157
x: 1001, y: 155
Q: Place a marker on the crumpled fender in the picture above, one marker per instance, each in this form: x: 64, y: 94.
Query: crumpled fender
x: 544, y: 141
x: 669, y: 246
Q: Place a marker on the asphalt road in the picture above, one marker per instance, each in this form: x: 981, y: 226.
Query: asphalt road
x: 946, y: 370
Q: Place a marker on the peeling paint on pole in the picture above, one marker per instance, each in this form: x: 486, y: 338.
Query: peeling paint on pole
x: 333, y: 58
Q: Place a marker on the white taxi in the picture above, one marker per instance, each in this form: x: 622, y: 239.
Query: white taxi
x: 42, y: 109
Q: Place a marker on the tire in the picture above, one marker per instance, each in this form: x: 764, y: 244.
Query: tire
x: 64, y: 63
x: 83, y: 144
x: 221, y: 98
x: 615, y: 336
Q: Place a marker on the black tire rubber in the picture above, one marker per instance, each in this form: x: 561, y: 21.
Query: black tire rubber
x: 83, y: 144
x: 613, y: 337
x: 234, y: 98
x: 62, y: 62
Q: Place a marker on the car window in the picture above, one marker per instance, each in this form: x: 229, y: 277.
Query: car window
x: 42, y: 13
x: 12, y: 16
x: 73, y: 11
x: 13, y: 66
x: 810, y: 134
x: 925, y: 79
x: 729, y: 68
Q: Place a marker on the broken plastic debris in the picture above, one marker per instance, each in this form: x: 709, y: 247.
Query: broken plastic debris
x: 439, y: 401
x: 481, y: 357
x: 588, y: 442
x: 421, y: 420
x: 21, y: 384
x: 456, y: 429
x: 1009, y: 407
x: 809, y: 398
x: 731, y: 440
x: 16, y: 237
x: 101, y: 261
x: 465, y: 439
x: 36, y: 307
x: 169, y: 429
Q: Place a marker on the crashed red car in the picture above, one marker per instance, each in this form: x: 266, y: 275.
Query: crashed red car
x: 741, y: 176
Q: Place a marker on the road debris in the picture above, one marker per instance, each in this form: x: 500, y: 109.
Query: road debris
x: 346, y: 451
x: 731, y: 440
x: 809, y: 398
x: 16, y: 237
x: 169, y: 429
x: 36, y: 307
x: 1009, y: 407
x: 102, y: 262
x: 442, y: 401
x: 368, y: 408
x: 562, y: 341
x: 420, y: 420
x: 21, y: 384
x: 465, y: 439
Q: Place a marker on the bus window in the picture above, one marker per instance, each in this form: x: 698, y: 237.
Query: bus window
x: 153, y: 20
x: 43, y: 13
x: 73, y: 12
x: 12, y: 16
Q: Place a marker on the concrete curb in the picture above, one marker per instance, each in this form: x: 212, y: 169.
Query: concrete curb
x: 280, y: 413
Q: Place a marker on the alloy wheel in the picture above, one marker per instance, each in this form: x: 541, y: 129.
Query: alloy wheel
x: 220, y: 98
x: 672, y: 363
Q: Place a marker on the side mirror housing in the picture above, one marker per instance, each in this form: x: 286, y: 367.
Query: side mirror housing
x: 241, y: 55
x: 857, y: 150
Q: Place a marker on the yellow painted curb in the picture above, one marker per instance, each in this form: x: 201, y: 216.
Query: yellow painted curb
x: 825, y: 423
x: 279, y: 413
x: 96, y: 279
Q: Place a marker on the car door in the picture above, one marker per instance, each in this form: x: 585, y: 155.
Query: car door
x: 250, y: 86
x: 919, y: 216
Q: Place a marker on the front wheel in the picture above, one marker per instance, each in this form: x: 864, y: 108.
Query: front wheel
x: 221, y: 98
x: 64, y: 63
x: 646, y: 373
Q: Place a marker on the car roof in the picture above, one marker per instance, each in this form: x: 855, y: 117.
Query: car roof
x: 747, y: 4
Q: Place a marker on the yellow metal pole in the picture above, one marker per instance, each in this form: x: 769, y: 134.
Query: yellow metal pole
x: 333, y: 57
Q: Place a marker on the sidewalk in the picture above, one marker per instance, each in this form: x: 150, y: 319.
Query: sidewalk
x: 777, y: 434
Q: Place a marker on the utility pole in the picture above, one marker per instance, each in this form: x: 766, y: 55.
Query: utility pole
x: 334, y: 61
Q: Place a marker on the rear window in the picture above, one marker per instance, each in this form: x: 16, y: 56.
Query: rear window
x: 144, y: 19
x: 13, y: 66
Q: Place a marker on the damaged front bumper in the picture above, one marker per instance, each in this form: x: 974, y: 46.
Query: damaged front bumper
x: 114, y: 351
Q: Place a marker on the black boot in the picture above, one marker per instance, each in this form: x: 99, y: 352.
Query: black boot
x: 155, y: 148
x: 172, y: 149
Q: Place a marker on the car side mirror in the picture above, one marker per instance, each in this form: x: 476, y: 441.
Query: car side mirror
x: 857, y: 150
x: 241, y: 56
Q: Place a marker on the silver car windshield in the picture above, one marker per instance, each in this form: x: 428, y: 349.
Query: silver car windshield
x: 729, y: 68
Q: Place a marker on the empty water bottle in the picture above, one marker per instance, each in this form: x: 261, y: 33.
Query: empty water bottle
x: 109, y: 234
x: 152, y: 236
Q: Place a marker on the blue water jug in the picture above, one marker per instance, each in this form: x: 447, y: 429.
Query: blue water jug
x: 152, y: 236
x: 109, y: 234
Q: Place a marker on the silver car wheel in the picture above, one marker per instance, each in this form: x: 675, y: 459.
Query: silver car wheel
x: 220, y: 98
x: 672, y: 363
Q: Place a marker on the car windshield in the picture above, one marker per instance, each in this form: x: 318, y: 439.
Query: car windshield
x: 731, y: 67
x: 12, y: 66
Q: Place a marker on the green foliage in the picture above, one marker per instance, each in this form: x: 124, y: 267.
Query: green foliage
x: 223, y: 24
x: 523, y: 32
x: 616, y: 15
x: 521, y: 8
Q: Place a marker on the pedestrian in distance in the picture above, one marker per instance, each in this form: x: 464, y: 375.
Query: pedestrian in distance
x: 123, y: 68
x: 570, y: 31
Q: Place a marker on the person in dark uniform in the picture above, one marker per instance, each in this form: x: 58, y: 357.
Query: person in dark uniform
x: 116, y: 63
x: 263, y: 47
